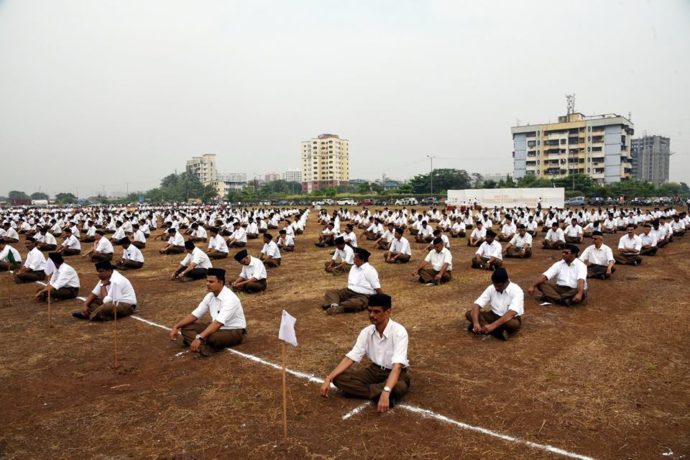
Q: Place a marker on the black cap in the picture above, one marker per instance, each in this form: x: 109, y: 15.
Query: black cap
x: 500, y: 275
x: 340, y: 240
x: 437, y: 241
x: 572, y: 248
x: 362, y: 253
x: 123, y: 241
x: 380, y: 300
x: 241, y: 255
x: 189, y: 245
x: 104, y: 265
x: 217, y: 272
x: 56, y: 257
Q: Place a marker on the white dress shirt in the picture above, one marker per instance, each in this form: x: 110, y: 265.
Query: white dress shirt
x: 597, y: 256
x: 198, y: 257
x: 225, y: 308
x: 104, y: 246
x: 133, y: 253
x: 347, y: 255
x: 383, y: 350
x: 402, y: 246
x: 71, y: 242
x: 256, y: 269
x: 437, y: 259
x: 487, y: 250
x: 35, y: 260
x: 5, y: 254
x: 271, y: 249
x: 519, y: 241
x: 567, y: 275
x: 119, y: 290
x: 363, y: 279
x: 65, y: 276
x: 512, y: 298
x: 218, y: 243
x: 634, y: 243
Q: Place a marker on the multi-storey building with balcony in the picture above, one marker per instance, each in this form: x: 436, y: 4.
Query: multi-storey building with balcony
x: 203, y: 167
x: 651, y: 158
x: 598, y: 146
x: 325, y: 162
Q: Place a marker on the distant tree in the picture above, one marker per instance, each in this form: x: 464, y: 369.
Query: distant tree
x: 404, y: 189
x: 17, y: 195
x: 65, y: 198
x: 39, y: 196
x: 444, y: 179
x: 489, y: 184
x: 477, y: 180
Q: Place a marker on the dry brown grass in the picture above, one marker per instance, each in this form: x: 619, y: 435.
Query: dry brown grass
x: 608, y: 379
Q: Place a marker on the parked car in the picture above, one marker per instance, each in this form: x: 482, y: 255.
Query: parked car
x: 409, y: 201
x: 367, y: 202
x: 575, y: 201
x: 346, y: 202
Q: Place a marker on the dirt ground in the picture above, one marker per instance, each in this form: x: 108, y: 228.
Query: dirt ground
x: 609, y: 379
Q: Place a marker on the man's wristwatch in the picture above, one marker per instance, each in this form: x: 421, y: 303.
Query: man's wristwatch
x: 199, y: 337
x: 387, y: 389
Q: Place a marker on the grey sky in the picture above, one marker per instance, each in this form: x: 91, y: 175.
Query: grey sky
x: 101, y: 94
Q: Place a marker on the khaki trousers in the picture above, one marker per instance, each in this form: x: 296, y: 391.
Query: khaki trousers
x: 217, y: 255
x: 63, y: 293
x: 101, y: 257
x: 271, y: 263
x: 106, y: 311
x: 368, y: 382
x: 556, y: 293
x: 29, y: 277
x: 337, y: 269
x: 220, y: 339
x: 428, y: 275
x: 597, y: 271
x: 350, y: 300
x: 519, y: 253
x: 254, y: 286
x: 488, y: 317
x: 484, y: 263
x: 627, y: 259
x: 549, y: 244
x: 401, y: 259
x: 129, y: 265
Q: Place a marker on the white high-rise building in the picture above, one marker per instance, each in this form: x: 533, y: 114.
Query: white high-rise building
x: 325, y: 162
x: 292, y: 175
x: 598, y: 146
x: 203, y: 167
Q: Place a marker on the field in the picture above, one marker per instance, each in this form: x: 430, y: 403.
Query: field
x: 609, y: 379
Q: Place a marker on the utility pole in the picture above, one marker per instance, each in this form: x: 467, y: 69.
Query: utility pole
x: 431, y: 174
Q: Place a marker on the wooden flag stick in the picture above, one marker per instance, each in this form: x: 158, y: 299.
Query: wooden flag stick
x: 50, y: 310
x: 9, y: 289
x: 117, y: 364
x: 285, y: 436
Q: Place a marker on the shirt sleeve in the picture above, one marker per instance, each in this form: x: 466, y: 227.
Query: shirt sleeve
x: 360, y: 348
x: 372, y: 277
x: 202, y: 309
x: 400, y: 348
x: 552, y: 271
x: 485, y: 297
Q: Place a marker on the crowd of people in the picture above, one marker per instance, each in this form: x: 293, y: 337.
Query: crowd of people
x: 206, y: 235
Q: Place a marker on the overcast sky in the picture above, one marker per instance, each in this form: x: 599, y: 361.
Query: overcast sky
x: 109, y: 95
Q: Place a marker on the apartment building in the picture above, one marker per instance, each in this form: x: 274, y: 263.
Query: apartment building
x: 651, y: 159
x: 203, y: 167
x: 325, y: 162
x: 598, y: 146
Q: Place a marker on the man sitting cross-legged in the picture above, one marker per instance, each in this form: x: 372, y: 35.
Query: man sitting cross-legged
x: 599, y: 258
x: 437, y: 266
x: 384, y: 342
x: 565, y: 282
x: 113, y: 295
x: 194, y: 266
x: 507, y: 305
x: 343, y: 258
x: 228, y: 325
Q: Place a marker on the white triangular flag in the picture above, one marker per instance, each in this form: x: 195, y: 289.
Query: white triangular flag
x: 287, y: 329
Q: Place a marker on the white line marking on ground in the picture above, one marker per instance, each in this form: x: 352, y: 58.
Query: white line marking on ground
x: 478, y: 429
x: 418, y: 410
x: 355, y: 411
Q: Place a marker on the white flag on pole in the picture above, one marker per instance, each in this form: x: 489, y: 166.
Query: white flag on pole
x: 287, y: 329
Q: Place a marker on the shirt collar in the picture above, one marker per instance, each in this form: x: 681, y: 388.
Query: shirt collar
x: 386, y: 331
